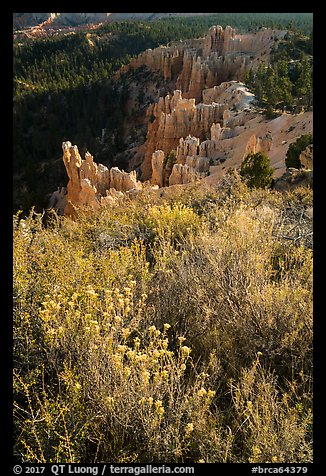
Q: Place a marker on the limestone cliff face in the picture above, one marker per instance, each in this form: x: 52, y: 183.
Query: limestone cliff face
x: 174, y: 117
x: 195, y: 168
x: 90, y: 182
x: 258, y: 144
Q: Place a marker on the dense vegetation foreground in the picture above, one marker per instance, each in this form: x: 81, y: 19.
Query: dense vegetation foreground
x: 166, y: 330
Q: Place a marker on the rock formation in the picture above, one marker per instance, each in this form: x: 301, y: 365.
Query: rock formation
x: 90, y: 182
x: 58, y: 200
x: 195, y: 168
x: 174, y: 117
x: 194, y: 65
x: 189, y: 166
x: 200, y: 164
x: 206, y: 137
x: 233, y: 93
x: 205, y: 75
x: 222, y: 41
x: 158, y: 168
x: 306, y: 157
x: 258, y: 144
x: 187, y: 147
x: 220, y: 133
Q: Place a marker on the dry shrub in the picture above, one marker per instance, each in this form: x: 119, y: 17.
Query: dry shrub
x: 221, y: 293
x: 121, y: 393
x: 269, y: 425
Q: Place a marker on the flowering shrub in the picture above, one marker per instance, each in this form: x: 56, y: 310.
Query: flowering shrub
x: 156, y: 332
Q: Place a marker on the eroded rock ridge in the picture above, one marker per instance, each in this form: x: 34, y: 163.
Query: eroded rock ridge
x: 91, y: 183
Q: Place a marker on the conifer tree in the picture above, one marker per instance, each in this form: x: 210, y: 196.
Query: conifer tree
x: 256, y: 170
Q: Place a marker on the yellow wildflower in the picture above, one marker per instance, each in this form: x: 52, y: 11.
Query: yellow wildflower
x: 165, y: 374
x: 189, y: 428
x: 109, y: 401
x: 127, y: 372
x: 125, y: 332
x: 145, y: 375
x: 159, y: 408
x: 122, y: 348
x: 185, y: 350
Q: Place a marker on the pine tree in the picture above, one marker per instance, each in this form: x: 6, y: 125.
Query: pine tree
x: 256, y: 170
x: 304, y: 83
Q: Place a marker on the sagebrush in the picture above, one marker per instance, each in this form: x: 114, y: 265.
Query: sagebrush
x: 173, y: 329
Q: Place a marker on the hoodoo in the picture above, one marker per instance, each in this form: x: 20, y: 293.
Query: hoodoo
x: 89, y: 183
x: 209, y: 119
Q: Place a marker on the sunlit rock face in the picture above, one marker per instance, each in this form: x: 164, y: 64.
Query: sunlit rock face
x: 258, y: 144
x: 202, y: 120
x: 222, y: 55
x: 158, y: 168
x: 174, y: 117
x: 195, y: 168
x: 205, y: 76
